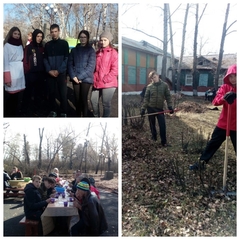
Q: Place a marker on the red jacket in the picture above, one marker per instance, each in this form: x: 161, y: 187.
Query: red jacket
x: 106, y: 71
x: 218, y: 100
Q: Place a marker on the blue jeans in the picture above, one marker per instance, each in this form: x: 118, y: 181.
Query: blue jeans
x: 106, y: 95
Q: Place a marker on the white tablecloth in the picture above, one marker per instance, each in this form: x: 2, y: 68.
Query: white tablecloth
x: 57, y: 209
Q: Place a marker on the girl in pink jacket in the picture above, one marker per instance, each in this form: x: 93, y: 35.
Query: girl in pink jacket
x: 105, y: 75
x: 226, y: 96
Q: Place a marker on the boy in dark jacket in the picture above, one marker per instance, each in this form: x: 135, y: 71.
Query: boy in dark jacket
x: 55, y: 61
x: 156, y: 93
x: 46, y: 188
x: 33, y: 203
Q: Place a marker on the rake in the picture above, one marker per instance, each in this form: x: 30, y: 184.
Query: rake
x: 224, y: 190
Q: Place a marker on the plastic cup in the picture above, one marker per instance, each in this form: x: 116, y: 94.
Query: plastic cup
x: 63, y: 195
x: 52, y: 200
x: 65, y: 203
x: 70, y: 199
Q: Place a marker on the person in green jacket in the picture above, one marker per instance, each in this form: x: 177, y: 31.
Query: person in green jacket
x: 156, y: 93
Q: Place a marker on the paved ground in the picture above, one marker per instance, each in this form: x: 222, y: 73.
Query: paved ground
x: 13, y: 213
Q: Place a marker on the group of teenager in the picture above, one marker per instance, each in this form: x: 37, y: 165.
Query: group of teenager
x: 39, y: 72
x: 157, y: 93
x: 38, y: 194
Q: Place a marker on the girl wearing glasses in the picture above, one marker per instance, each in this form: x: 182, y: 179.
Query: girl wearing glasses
x: 81, y: 65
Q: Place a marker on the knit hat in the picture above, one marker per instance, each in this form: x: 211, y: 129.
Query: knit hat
x: 52, y: 174
x: 83, y: 186
x: 108, y: 35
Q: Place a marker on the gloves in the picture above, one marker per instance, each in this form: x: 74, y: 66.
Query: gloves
x: 230, y: 97
x: 142, y: 112
x: 171, y: 110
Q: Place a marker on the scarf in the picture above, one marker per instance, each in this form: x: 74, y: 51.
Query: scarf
x: 14, y: 41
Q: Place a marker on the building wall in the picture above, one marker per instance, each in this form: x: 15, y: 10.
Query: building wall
x: 135, y: 68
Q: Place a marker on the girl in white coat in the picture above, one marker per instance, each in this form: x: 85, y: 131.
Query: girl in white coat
x: 14, y: 80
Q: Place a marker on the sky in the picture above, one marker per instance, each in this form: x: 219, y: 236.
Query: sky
x: 30, y: 127
x: 148, y: 17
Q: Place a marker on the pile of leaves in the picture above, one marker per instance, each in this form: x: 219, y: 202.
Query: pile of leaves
x: 192, y: 107
x: 161, y: 197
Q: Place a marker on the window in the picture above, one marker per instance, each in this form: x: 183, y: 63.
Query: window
x: 188, y: 80
x: 143, y: 76
x: 132, y: 75
x: 203, y: 80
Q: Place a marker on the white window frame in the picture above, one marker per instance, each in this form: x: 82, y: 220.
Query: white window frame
x: 188, y: 78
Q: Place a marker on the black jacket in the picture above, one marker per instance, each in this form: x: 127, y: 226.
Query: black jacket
x: 56, y: 55
x: 6, y: 177
x: 93, y: 216
x: 33, y: 204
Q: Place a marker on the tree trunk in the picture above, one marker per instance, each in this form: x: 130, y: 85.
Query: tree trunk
x: 40, y: 148
x: 182, y: 50
x: 194, y: 73
x: 165, y: 43
x: 100, y: 155
x: 224, y: 32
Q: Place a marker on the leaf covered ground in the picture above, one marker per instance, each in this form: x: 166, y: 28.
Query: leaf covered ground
x: 160, y: 196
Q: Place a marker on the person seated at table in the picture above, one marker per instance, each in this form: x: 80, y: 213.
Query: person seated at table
x: 33, y: 203
x: 16, y: 174
x: 76, y: 174
x: 92, y: 217
x: 55, y: 170
x: 93, y: 187
x: 47, y: 188
x: 6, y: 179
x: 54, y: 175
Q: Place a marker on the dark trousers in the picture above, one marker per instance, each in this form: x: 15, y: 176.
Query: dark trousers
x: 217, y: 138
x: 57, y: 87
x: 12, y: 104
x: 161, y: 123
x: 81, y: 98
x: 80, y: 227
x: 34, y: 92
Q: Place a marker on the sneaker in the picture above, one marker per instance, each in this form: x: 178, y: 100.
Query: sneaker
x: 52, y: 114
x: 63, y: 115
x: 200, y: 165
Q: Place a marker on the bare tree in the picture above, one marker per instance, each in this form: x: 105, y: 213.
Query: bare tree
x: 194, y: 72
x: 182, y: 49
x: 40, y: 147
x: 26, y: 151
x: 101, y: 150
x: 224, y: 34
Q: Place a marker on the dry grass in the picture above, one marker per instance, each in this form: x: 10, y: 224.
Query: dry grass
x: 164, y: 198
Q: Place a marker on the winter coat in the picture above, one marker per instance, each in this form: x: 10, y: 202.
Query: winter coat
x: 156, y: 94
x: 106, y: 72
x: 56, y: 55
x: 17, y: 175
x: 218, y: 100
x: 33, y: 55
x: 81, y: 63
x: 13, y: 68
x: 6, y: 178
x: 33, y: 204
x: 93, y: 216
